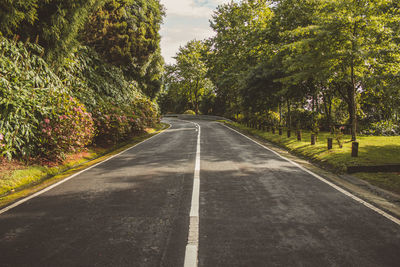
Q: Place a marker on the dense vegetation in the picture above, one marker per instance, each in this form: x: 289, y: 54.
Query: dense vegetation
x: 304, y: 64
x: 74, y: 73
x: 188, y: 85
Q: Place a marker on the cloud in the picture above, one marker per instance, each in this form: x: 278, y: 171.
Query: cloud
x: 185, y: 20
x: 178, y: 32
x: 187, y: 8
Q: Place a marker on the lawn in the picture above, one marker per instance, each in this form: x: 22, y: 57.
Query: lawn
x: 373, y: 150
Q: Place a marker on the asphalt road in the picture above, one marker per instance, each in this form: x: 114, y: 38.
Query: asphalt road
x: 255, y: 209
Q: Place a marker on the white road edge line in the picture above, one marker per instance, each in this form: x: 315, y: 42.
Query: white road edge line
x: 192, y: 247
x: 341, y: 190
x: 19, y: 202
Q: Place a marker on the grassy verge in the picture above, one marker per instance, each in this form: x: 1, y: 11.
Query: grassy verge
x: 373, y: 150
x: 20, y: 180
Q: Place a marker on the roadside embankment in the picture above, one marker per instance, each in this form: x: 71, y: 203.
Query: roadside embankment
x: 19, y: 180
x: 373, y: 150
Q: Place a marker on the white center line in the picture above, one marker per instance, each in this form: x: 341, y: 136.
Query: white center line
x: 191, y: 254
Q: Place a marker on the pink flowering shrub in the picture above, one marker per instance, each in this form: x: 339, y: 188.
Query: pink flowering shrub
x: 69, y: 129
x: 115, y: 123
x: 147, y: 111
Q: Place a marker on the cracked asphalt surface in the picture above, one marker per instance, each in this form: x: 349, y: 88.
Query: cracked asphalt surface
x: 256, y: 209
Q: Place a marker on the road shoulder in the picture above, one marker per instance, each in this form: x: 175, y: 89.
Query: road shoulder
x: 385, y: 200
x: 50, y: 180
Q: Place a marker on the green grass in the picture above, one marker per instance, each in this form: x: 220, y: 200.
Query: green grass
x: 26, y: 177
x: 373, y: 150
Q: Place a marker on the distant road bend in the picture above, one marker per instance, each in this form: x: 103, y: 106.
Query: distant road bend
x: 197, y: 194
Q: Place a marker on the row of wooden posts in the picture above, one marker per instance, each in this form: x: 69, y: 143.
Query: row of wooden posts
x: 354, y: 147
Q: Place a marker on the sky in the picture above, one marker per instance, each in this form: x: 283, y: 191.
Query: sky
x: 185, y: 20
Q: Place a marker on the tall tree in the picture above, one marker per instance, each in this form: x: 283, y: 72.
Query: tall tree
x: 126, y: 33
x: 349, y: 41
x: 15, y: 12
x: 188, y: 75
x: 236, y: 47
x: 56, y: 25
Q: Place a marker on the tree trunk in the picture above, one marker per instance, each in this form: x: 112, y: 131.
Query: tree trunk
x: 328, y: 109
x: 196, y: 98
x: 352, y: 108
x: 289, y: 119
x: 353, y: 105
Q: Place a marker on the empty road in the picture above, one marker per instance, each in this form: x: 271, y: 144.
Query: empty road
x: 200, y: 194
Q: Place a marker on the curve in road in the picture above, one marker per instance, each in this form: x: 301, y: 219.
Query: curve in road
x: 255, y: 209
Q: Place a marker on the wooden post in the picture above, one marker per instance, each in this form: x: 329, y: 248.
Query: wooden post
x: 312, y: 139
x: 299, y: 135
x: 273, y: 130
x: 288, y: 133
x: 280, y: 131
x: 354, y: 149
x: 330, y: 140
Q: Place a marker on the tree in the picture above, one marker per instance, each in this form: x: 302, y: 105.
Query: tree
x: 56, y: 26
x: 236, y: 47
x: 126, y: 33
x: 14, y: 12
x: 186, y: 80
x: 347, y: 42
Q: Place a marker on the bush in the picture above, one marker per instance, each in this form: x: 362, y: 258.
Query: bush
x: 43, y: 115
x: 115, y: 123
x: 269, y: 118
x: 189, y: 112
x: 147, y: 110
x: 387, y: 128
x: 27, y: 85
x: 68, y: 129
x: 119, y: 109
x: 239, y: 118
x: 37, y: 115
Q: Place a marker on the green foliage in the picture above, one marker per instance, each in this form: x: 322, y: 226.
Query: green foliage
x: 29, y: 93
x: 119, y: 109
x: 47, y: 108
x: 95, y: 82
x: 126, y: 34
x: 337, y: 60
x: 338, y: 133
x: 189, y: 112
x: 15, y: 12
x: 386, y: 128
x: 116, y: 123
x: 41, y: 114
x: 186, y: 80
x: 56, y: 26
x: 69, y: 128
x: 236, y: 48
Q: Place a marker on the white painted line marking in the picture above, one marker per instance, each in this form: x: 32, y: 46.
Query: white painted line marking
x: 372, y: 207
x: 192, y: 247
x: 70, y: 177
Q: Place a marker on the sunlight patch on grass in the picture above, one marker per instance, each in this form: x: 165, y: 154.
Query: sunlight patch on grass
x: 373, y: 150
